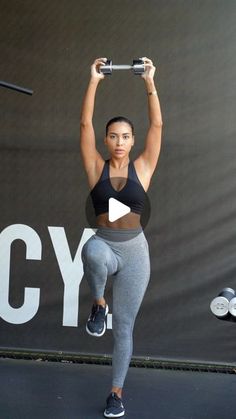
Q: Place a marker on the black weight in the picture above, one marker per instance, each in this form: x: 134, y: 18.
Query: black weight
x: 106, y: 68
x: 138, y: 67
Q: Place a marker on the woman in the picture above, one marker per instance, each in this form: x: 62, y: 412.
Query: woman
x: 119, y: 247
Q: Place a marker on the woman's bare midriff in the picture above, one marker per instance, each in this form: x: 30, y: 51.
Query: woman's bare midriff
x: 128, y: 221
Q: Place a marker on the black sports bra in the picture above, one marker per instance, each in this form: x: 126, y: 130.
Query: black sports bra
x: 132, y: 194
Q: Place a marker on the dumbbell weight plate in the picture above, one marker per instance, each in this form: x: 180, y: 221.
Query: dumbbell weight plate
x: 232, y: 307
x: 106, y: 68
x: 138, y: 67
x: 220, y: 305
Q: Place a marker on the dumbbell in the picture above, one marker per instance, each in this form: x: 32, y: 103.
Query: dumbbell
x: 220, y: 305
x: 137, y: 67
x: 232, y: 307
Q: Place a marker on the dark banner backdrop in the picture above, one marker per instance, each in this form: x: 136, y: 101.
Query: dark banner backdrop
x: 49, y: 47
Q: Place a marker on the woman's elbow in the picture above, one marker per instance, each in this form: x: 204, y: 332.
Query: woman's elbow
x: 84, y: 123
x: 157, y: 124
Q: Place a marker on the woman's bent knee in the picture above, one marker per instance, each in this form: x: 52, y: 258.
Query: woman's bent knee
x: 93, y: 250
x: 97, y: 253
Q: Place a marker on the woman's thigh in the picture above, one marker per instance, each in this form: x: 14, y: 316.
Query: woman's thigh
x: 97, y: 252
x: 130, y: 282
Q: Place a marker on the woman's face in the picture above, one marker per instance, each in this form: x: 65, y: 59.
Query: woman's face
x: 119, y: 139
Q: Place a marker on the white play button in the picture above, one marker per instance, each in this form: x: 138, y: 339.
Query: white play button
x: 116, y: 209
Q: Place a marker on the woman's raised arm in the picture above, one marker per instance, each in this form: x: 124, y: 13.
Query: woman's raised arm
x: 149, y: 157
x: 87, y: 135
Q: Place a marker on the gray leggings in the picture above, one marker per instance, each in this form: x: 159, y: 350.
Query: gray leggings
x: 129, y: 263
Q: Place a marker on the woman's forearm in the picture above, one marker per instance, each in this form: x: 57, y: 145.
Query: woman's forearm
x: 89, y: 102
x: 154, y: 108
x: 89, y: 97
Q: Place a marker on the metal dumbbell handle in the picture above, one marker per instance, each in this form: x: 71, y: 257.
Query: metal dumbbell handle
x: 121, y: 67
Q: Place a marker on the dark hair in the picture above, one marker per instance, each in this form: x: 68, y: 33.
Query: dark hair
x: 120, y: 119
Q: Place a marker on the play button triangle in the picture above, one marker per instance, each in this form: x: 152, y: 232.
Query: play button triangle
x: 116, y: 209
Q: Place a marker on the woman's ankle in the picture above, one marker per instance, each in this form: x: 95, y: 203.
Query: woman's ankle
x: 100, y: 302
x: 118, y: 391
